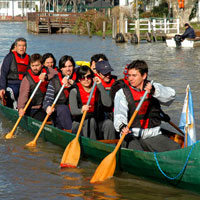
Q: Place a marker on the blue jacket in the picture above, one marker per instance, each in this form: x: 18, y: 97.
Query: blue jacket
x: 189, y: 33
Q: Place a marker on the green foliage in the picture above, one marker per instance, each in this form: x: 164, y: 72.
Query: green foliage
x: 96, y: 22
x: 194, y: 11
x: 158, y: 11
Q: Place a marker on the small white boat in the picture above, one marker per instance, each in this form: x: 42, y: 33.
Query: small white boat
x: 187, y: 43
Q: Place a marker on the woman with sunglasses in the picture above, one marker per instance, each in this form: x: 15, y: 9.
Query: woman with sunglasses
x: 94, y: 126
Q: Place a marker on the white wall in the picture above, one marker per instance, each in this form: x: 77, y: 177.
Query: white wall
x: 15, y: 8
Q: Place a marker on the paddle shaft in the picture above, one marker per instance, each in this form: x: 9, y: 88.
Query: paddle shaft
x: 178, y: 129
x: 10, y: 134
x: 85, y: 112
x: 47, y: 116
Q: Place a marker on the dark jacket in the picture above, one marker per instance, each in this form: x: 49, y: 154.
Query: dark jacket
x: 189, y: 33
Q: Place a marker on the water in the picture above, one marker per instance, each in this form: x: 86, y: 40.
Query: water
x: 27, y: 175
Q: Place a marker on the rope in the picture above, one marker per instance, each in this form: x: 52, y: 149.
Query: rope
x: 184, y: 167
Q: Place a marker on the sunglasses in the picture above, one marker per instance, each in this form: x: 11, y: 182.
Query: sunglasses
x: 89, y: 77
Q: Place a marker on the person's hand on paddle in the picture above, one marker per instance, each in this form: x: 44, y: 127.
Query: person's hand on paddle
x: 42, y: 77
x: 125, y: 130
x: 67, y: 82
x: 50, y: 110
x: 85, y: 108
x: 149, y: 88
x: 2, y: 93
x: 21, y: 112
x: 97, y: 80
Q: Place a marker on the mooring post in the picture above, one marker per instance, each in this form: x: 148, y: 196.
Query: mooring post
x: 104, y: 30
x: 88, y: 28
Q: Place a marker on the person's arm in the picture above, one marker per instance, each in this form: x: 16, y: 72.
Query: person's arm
x: 49, y: 96
x: 105, y: 97
x: 51, y: 73
x: 24, y: 93
x: 120, y: 110
x: 4, y: 70
x: 165, y: 95
x: 75, y: 110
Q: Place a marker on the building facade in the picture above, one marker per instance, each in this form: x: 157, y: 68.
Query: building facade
x: 18, y: 8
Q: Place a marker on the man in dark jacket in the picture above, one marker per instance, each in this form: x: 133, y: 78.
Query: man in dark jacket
x: 13, y: 69
x: 189, y: 32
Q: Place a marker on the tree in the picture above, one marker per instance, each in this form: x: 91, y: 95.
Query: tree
x: 184, y: 13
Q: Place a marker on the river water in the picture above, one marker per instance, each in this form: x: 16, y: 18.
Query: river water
x: 27, y: 175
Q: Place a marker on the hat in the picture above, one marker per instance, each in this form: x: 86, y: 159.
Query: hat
x: 103, y: 67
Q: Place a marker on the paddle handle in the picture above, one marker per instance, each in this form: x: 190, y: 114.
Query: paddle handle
x: 91, y: 93
x: 132, y: 119
x: 58, y: 95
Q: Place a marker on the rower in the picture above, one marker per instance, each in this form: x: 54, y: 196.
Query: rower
x: 13, y: 69
x: 145, y: 132
x: 61, y: 114
x: 94, y: 124
x: 36, y: 73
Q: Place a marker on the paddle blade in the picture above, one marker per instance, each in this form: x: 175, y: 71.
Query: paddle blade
x: 71, y: 155
x: 31, y: 144
x: 9, y: 135
x: 106, y: 168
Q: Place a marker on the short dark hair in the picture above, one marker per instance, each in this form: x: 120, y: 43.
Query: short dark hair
x: 140, y: 65
x: 48, y: 55
x: 20, y: 39
x: 96, y: 58
x: 186, y: 24
x: 64, y: 59
x: 35, y: 57
x: 83, y: 70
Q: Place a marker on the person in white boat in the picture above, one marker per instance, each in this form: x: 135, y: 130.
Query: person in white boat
x: 189, y: 32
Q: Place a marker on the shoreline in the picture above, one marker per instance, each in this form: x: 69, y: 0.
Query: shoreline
x: 12, y: 19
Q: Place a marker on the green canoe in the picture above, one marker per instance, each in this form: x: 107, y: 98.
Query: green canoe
x: 180, y: 168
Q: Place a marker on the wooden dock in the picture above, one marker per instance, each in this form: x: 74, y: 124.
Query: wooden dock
x: 47, y: 22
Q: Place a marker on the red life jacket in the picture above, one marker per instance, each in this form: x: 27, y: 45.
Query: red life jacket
x: 149, y: 113
x: 84, y: 97
x: 107, y: 86
x: 33, y: 80
x: 18, y: 67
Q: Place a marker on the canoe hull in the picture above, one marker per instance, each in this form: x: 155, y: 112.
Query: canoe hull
x: 139, y: 163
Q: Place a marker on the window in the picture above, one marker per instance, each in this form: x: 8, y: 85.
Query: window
x: 26, y: 4
x: 4, y: 5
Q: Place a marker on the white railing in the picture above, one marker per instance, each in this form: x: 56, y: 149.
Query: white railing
x: 164, y: 25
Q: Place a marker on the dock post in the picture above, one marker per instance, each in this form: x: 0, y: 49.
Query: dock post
x: 104, y: 30
x: 114, y: 21
x: 88, y: 28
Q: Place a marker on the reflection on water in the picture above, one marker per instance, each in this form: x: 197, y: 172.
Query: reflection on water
x: 35, y: 174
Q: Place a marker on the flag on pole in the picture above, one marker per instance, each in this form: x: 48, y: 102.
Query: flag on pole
x: 187, y: 122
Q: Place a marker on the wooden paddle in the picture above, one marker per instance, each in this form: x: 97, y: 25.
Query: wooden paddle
x: 33, y: 142
x: 71, y: 154
x: 10, y: 134
x: 107, y: 166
